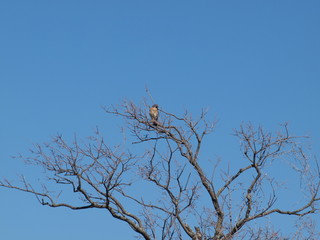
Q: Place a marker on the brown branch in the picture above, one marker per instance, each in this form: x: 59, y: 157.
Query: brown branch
x: 106, y: 178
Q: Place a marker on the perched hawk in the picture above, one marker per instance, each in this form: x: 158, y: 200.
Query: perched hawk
x: 198, y: 233
x: 154, y: 113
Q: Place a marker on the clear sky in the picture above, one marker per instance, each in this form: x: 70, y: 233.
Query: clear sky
x: 60, y: 61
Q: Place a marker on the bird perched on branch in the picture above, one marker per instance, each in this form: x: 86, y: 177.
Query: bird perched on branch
x: 154, y: 113
x: 198, y: 233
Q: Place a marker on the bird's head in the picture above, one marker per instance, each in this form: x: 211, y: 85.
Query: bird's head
x: 155, y: 106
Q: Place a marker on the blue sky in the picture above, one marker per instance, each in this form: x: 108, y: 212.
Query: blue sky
x: 60, y: 61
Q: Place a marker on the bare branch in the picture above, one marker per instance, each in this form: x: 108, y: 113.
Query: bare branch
x: 182, y: 201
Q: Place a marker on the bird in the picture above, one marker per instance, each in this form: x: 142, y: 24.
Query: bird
x: 154, y: 113
x: 198, y: 233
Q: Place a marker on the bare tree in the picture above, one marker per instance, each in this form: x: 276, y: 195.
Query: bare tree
x: 189, y: 199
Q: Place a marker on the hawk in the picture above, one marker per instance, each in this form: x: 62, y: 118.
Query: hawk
x: 198, y: 233
x: 154, y: 113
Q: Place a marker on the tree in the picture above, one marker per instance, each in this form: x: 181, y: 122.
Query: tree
x: 189, y: 200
